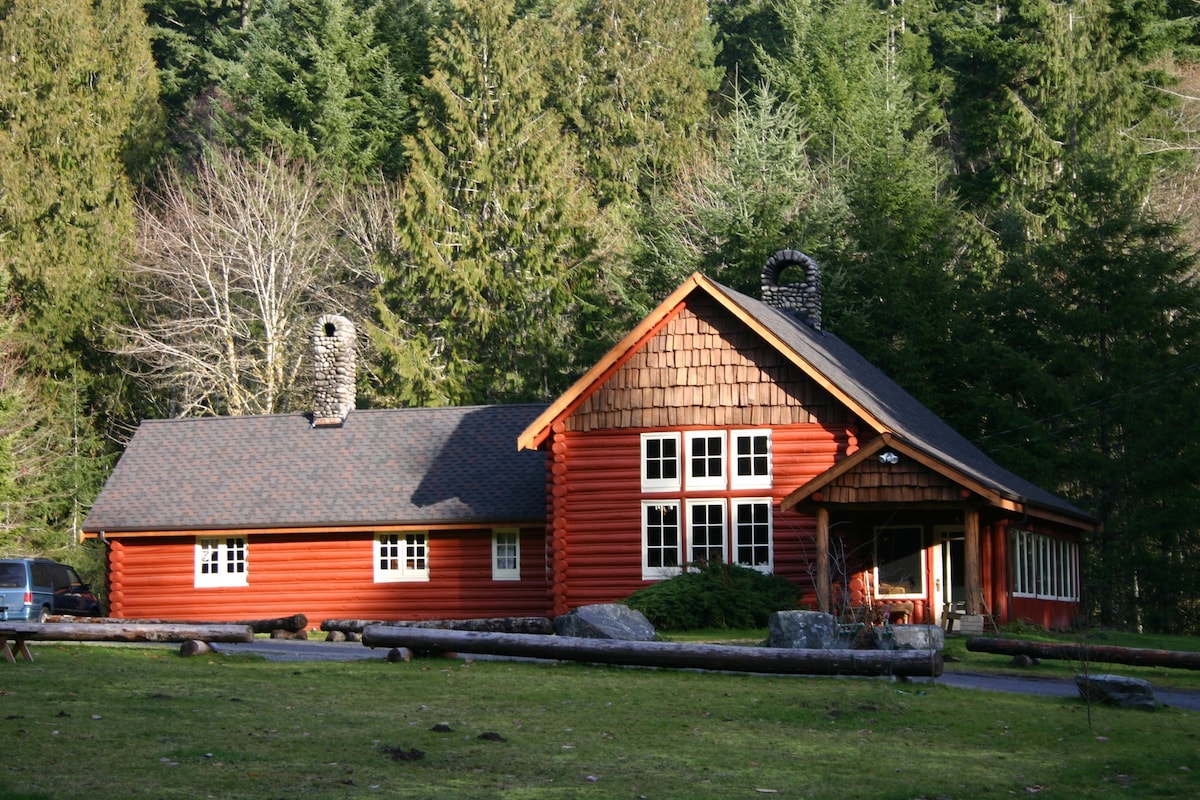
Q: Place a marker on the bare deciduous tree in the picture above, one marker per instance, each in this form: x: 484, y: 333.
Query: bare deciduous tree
x: 234, y: 265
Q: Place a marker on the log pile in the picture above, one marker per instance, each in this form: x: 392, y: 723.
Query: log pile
x: 901, y: 663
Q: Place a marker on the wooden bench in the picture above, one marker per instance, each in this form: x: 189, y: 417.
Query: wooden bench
x: 15, y: 636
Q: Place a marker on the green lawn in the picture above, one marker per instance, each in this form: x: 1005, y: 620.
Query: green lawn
x: 129, y: 722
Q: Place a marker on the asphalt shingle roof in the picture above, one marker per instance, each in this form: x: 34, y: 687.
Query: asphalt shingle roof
x: 382, y: 467
x: 892, y: 406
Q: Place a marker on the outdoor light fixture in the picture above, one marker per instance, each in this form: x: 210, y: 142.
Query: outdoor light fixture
x: 889, y: 457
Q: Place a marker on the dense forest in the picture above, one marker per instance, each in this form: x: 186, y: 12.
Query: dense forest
x: 1002, y: 197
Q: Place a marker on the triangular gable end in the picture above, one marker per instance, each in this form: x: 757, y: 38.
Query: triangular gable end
x: 655, y: 322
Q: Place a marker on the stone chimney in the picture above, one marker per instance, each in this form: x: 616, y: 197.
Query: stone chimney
x: 801, y: 299
x: 334, y: 370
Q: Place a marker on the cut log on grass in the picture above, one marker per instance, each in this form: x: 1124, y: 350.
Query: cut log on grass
x: 124, y: 632
x: 294, y: 623
x: 904, y: 663
x: 1100, y: 654
x: 491, y: 625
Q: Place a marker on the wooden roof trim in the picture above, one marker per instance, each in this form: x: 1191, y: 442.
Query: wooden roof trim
x: 533, y: 436
x: 321, y: 530
x: 888, y: 441
x: 782, y: 347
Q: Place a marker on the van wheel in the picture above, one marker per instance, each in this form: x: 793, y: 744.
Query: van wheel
x: 45, y: 614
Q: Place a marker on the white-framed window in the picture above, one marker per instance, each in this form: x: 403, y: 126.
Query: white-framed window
x: 900, y: 561
x: 752, y: 534
x: 506, y: 554
x: 706, y: 531
x: 401, y: 557
x: 751, y: 457
x: 221, y: 561
x: 705, y: 460
x: 662, y: 542
x: 660, y: 462
x: 1044, y: 567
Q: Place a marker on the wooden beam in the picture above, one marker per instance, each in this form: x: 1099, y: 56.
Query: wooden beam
x: 971, y: 562
x: 824, y: 584
x: 1096, y: 654
x: 122, y: 632
x: 775, y: 660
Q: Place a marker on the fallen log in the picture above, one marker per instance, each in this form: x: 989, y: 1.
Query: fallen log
x: 540, y: 625
x: 124, y: 632
x: 1102, y: 654
x: 293, y: 624
x: 776, y: 660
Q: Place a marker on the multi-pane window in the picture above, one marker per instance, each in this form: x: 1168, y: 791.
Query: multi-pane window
x: 660, y: 462
x: 661, y: 539
x: 1044, y: 567
x: 401, y: 557
x: 706, y: 460
x: 751, y: 459
x: 707, y: 521
x: 706, y: 531
x: 221, y: 561
x: 752, y: 533
x: 506, y: 554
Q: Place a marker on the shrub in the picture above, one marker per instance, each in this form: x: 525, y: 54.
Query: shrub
x: 714, y: 596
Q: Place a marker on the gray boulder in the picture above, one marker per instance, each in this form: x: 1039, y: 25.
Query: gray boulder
x: 1116, y: 690
x: 917, y: 637
x: 605, y: 621
x: 808, y: 630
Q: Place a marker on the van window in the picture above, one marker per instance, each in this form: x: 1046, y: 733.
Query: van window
x: 12, y: 576
x: 41, y: 575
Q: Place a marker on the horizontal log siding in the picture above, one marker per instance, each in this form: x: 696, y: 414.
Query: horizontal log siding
x: 326, y: 577
x: 597, y: 520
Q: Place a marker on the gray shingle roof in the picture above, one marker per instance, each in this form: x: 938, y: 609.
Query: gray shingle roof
x: 382, y: 467
x: 892, y: 406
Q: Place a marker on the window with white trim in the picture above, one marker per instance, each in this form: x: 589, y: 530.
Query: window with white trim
x: 401, y: 557
x: 705, y: 460
x: 752, y: 525
x: 1044, y: 567
x: 660, y: 462
x: 751, y: 459
x: 506, y: 554
x: 706, y: 531
x: 900, y: 561
x: 662, y: 543
x: 221, y: 561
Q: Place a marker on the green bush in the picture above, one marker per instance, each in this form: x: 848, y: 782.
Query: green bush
x: 714, y: 596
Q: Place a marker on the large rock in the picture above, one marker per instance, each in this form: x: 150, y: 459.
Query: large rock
x: 1116, y: 690
x: 916, y: 637
x: 807, y: 630
x: 605, y: 621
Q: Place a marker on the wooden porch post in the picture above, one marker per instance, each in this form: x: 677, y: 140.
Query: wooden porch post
x: 971, y: 563
x: 824, y: 589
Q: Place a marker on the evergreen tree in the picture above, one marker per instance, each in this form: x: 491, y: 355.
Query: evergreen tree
x: 633, y: 78
x: 499, y: 238
x: 77, y: 111
x: 315, y: 82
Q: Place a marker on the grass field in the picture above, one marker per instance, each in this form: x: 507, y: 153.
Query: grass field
x: 130, y: 722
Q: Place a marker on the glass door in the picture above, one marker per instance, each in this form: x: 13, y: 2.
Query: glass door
x: 949, y: 584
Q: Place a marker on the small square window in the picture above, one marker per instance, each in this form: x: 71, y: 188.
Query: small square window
x: 401, y: 557
x: 706, y: 460
x: 660, y: 462
x: 221, y: 561
x: 751, y: 460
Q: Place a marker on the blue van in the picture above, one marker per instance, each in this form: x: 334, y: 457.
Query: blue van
x: 32, y: 589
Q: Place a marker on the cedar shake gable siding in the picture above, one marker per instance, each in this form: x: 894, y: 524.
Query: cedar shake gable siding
x: 381, y: 468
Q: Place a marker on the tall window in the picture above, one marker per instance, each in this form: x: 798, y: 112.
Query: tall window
x: 221, y: 561
x: 751, y: 459
x: 660, y: 462
x: 706, y: 531
x: 401, y: 557
x: 752, y: 533
x: 899, y: 560
x: 1044, y: 567
x: 661, y: 543
x: 706, y: 460
x: 506, y: 554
